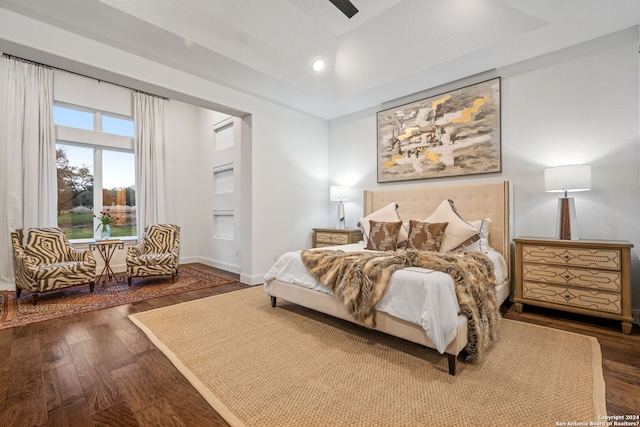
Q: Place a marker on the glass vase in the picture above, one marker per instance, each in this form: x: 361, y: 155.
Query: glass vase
x: 106, y: 231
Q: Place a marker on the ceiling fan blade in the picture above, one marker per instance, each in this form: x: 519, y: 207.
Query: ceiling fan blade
x: 345, y: 7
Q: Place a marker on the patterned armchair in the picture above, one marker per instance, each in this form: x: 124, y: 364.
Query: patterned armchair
x: 44, y: 260
x: 157, y: 254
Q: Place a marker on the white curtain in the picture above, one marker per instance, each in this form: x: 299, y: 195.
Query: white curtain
x: 151, y: 200
x: 28, y: 192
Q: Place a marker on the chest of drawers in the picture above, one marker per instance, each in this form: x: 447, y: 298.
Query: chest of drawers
x: 591, y: 277
x: 335, y: 236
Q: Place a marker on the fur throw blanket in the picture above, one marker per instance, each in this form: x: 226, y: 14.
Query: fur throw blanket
x: 360, y: 280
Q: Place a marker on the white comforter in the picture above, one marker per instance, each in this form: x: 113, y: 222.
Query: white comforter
x: 417, y: 295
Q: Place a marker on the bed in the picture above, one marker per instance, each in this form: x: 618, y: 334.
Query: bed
x: 286, y: 280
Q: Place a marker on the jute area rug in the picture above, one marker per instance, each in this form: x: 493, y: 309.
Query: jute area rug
x: 289, y: 366
x: 78, y: 299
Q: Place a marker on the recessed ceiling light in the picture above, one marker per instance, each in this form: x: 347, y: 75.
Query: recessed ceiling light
x: 319, y: 64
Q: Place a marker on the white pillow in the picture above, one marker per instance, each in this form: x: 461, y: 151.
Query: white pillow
x: 387, y: 214
x: 459, y: 233
x: 482, y: 245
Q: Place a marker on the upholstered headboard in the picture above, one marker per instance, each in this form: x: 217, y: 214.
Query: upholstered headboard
x: 472, y: 201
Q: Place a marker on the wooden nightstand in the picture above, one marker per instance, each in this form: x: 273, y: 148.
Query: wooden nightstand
x: 591, y: 277
x: 335, y: 236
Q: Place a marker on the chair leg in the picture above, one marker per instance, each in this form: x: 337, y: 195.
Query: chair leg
x: 91, y: 286
x: 34, y: 296
x: 173, y: 278
x: 129, y: 280
x: 18, y: 292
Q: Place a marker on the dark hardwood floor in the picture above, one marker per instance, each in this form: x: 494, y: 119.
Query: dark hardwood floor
x: 98, y: 369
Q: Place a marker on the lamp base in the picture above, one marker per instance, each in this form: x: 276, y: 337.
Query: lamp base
x: 567, y: 221
x: 341, y: 221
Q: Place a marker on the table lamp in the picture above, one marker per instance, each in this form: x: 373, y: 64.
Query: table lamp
x: 565, y: 179
x: 340, y: 193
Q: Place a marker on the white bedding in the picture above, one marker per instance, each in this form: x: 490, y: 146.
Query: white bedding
x: 417, y: 295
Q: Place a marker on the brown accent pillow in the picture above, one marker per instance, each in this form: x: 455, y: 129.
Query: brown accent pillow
x: 388, y: 213
x: 425, y: 236
x: 383, y: 236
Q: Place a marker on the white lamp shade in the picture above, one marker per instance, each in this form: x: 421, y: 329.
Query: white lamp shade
x: 567, y: 178
x: 339, y: 192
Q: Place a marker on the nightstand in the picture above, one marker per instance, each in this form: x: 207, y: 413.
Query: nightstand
x: 591, y: 277
x: 335, y: 236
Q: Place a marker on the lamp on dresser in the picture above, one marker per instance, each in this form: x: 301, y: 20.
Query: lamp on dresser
x: 564, y: 179
x: 340, y: 193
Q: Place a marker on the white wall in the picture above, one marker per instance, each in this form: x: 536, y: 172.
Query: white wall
x: 352, y: 160
x: 289, y: 157
x: 578, y: 105
x: 181, y: 139
x: 289, y: 183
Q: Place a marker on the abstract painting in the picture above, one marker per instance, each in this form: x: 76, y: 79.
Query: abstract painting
x: 451, y: 134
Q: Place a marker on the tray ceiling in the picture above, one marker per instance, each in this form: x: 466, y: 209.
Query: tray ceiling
x: 389, y: 49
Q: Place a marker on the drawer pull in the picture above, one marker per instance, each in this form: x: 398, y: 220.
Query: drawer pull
x: 567, y: 296
x: 566, y: 276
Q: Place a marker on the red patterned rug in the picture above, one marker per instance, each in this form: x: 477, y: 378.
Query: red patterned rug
x: 78, y: 299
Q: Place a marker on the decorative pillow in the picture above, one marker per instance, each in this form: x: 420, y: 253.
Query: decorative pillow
x: 459, y: 233
x: 482, y: 245
x: 388, y: 213
x: 424, y: 236
x: 383, y: 236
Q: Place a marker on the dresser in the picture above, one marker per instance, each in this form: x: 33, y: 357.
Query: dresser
x: 591, y: 277
x: 335, y: 236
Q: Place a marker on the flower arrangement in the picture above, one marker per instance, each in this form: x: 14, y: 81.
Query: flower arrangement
x: 105, y: 219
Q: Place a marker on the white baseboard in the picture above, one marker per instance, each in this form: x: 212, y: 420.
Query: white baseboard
x: 252, y: 280
x: 117, y: 268
x: 189, y: 260
x: 244, y: 278
x: 233, y: 268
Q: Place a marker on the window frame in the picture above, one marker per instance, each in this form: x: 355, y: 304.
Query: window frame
x: 98, y: 141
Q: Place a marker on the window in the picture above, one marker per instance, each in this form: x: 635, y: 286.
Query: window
x: 94, y: 160
x: 73, y: 118
x: 117, y: 126
x: 75, y: 190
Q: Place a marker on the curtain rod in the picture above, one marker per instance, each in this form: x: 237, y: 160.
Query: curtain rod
x: 28, y: 61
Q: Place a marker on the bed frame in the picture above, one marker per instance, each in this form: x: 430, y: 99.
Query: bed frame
x: 472, y: 201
